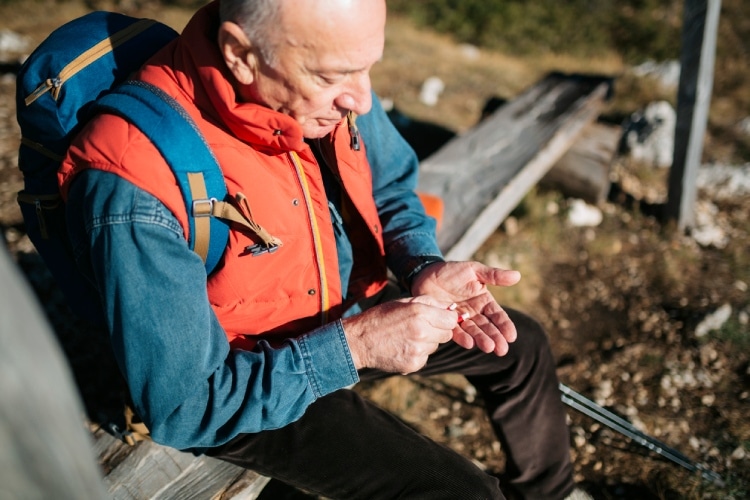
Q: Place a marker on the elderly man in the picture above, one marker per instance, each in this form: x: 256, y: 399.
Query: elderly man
x: 251, y: 364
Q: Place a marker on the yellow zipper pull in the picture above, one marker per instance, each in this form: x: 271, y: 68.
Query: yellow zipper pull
x: 53, y: 84
x: 56, y: 87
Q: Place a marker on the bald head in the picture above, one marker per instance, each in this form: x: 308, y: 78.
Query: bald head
x: 309, y: 59
x: 261, y: 20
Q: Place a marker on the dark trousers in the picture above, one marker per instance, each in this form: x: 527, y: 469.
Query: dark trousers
x: 345, y: 447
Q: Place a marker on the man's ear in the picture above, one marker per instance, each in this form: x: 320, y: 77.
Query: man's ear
x: 237, y: 51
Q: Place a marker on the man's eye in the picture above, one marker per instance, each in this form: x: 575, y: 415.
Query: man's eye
x: 329, y: 79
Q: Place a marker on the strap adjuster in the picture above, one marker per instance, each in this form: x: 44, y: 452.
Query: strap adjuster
x: 203, y: 208
x: 259, y: 249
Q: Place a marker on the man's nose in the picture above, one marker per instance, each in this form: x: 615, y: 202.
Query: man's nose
x: 357, y: 96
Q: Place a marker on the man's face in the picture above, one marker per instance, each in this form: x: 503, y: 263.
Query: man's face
x: 323, y: 57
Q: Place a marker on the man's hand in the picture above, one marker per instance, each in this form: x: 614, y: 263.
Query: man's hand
x: 398, y: 336
x: 489, y: 328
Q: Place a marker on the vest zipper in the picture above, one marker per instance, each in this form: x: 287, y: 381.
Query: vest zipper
x: 54, y: 85
x: 323, y: 281
x: 351, y: 119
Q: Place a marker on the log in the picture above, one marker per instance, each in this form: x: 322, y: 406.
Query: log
x: 483, y: 174
x: 583, y: 172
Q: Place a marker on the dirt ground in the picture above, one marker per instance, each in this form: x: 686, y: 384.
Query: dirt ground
x: 621, y: 301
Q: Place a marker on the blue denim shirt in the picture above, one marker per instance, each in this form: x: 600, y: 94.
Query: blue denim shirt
x: 191, y: 389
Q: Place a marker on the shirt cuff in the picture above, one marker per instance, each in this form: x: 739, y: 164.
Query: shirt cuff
x: 417, y: 265
x: 328, y: 361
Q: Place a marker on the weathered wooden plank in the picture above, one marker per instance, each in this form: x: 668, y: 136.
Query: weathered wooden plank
x: 111, y: 451
x: 583, y: 171
x: 699, y: 31
x: 482, y: 175
x: 150, y: 471
x: 45, y: 451
x: 205, y: 477
x: 247, y: 487
x: 145, y: 471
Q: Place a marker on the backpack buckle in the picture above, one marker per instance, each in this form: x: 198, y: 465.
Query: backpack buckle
x: 203, y: 208
x: 259, y: 249
x: 123, y: 435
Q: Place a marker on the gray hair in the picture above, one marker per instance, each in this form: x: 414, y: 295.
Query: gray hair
x: 258, y: 19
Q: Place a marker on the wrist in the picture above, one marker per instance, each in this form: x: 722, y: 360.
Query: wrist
x: 419, y: 265
x: 352, y: 339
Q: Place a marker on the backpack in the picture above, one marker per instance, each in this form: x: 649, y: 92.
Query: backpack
x: 80, y: 70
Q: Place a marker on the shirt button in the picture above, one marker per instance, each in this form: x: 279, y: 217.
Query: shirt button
x: 376, y: 228
x: 277, y: 132
x: 295, y: 202
x: 311, y: 291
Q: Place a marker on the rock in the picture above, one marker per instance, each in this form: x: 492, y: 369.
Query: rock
x: 582, y: 214
x: 579, y: 441
x: 739, y: 453
x: 470, y: 393
x: 11, y: 43
x: 724, y: 182
x: 708, y: 231
x: 667, y: 73
x: 694, y: 443
x: 713, y: 321
x: 708, y: 399
x: 469, y: 51
x: 431, y: 90
x: 511, y: 225
x: 743, y: 127
x: 649, y: 135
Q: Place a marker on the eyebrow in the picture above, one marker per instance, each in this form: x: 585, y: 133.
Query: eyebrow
x: 347, y: 71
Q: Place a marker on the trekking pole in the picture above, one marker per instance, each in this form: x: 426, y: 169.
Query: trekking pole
x: 606, y: 417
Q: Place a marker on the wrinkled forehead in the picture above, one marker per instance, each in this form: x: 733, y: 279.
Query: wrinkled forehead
x: 317, y: 22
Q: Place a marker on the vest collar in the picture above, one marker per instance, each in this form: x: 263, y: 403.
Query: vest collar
x: 198, y: 54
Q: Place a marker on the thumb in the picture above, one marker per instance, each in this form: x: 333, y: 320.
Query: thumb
x: 443, y: 315
x: 429, y: 300
x: 496, y: 276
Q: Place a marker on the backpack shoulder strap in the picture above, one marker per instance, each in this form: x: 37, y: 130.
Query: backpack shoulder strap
x: 167, y: 125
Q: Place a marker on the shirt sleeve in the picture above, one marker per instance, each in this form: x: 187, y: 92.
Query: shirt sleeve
x: 408, y: 232
x: 188, y: 386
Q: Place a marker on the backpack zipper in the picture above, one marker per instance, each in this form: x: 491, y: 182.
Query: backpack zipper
x: 54, y: 85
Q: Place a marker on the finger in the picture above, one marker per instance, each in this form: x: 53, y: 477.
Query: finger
x: 463, y: 339
x: 496, y: 276
x: 501, y: 338
x: 492, y: 337
x: 438, y: 314
x: 503, y: 325
x: 484, y: 337
x: 430, y: 301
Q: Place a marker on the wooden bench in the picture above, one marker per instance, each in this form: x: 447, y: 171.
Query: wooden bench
x: 481, y: 176
x: 151, y: 471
